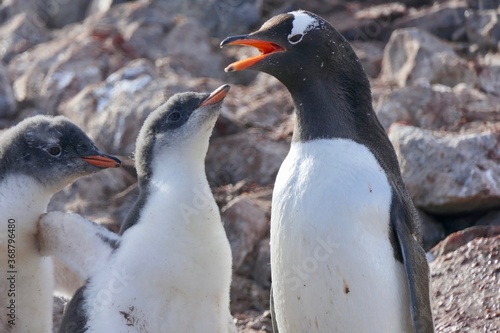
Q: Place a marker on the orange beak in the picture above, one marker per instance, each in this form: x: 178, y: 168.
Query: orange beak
x: 265, y: 48
x: 216, y: 96
x: 102, y: 161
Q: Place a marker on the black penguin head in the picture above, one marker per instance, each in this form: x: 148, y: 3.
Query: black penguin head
x: 54, y: 151
x: 182, y: 126
x: 295, y: 46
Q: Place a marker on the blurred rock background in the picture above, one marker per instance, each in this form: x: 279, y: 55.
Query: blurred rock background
x: 435, y: 73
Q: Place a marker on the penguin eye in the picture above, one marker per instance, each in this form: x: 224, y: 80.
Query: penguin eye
x: 55, y: 150
x: 295, y: 38
x: 174, y: 116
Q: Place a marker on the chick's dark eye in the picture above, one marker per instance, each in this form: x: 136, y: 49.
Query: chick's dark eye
x: 174, y: 116
x: 55, y: 150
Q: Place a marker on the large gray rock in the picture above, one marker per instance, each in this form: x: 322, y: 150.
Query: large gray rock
x: 190, y: 44
x: 370, y: 54
x: 102, y: 6
x: 7, y: 99
x: 266, y: 104
x: 246, y: 222
x: 249, y: 155
x: 450, y: 173
x: 10, y: 8
x: 483, y: 28
x: 58, y: 13
x: 20, y: 33
x: 262, y: 269
x: 50, y: 13
x: 444, y: 20
x: 489, y: 76
x: 465, y: 288
x: 437, y: 107
x: 483, y: 4
x: 148, y: 30
x: 220, y: 17
x: 413, y: 55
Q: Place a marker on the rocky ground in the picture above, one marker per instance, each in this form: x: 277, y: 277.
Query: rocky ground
x: 435, y: 72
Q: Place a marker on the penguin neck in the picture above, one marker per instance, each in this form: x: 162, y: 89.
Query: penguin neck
x: 178, y: 186
x: 176, y: 168
x: 331, y: 107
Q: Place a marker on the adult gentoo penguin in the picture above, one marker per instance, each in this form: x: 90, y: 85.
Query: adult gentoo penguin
x: 171, y: 270
x: 38, y: 157
x: 345, y: 242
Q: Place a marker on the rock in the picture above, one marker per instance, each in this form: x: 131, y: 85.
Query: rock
x: 102, y: 6
x: 457, y: 222
x: 449, y: 173
x: 460, y: 238
x: 247, y: 295
x: 483, y: 4
x: 249, y: 155
x: 254, y: 322
x: 148, y: 30
x: 10, y: 8
x: 432, y: 230
x: 267, y: 104
x: 414, y: 55
x: 137, y: 28
x: 443, y: 20
x: 57, y: 14
x: 19, y: 34
x: 195, y: 52
x: 245, y: 222
x: 8, y: 103
x: 52, y: 72
x: 483, y: 28
x: 262, y: 269
x: 491, y: 218
x: 370, y: 54
x: 489, y: 76
x: 437, y: 107
x: 465, y: 288
x: 221, y: 17
x: 373, y: 23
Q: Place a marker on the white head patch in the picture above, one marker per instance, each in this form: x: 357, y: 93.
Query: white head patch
x: 302, y: 23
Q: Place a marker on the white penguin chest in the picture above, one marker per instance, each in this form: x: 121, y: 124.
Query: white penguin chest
x: 333, y: 266
x: 172, y: 272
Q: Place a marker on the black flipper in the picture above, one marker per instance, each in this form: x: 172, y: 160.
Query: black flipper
x: 75, y: 318
x: 134, y: 214
x: 273, y: 314
x: 416, y: 267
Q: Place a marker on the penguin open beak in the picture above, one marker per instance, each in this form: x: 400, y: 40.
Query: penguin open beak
x: 102, y: 161
x: 216, y: 96
x: 266, y: 48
